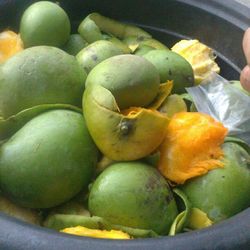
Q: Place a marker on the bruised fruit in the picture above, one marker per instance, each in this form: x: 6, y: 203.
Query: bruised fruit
x: 117, y: 89
x: 133, y: 194
x: 223, y: 192
x: 51, y: 158
x: 172, y: 66
x: 40, y: 75
x: 133, y: 81
x: 95, y: 53
x: 122, y: 136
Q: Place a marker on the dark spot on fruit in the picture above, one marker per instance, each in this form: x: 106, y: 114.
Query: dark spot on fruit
x: 126, y: 127
x: 86, y: 68
x: 152, y: 183
x: 94, y: 57
x: 140, y: 38
x: 170, y: 72
x: 169, y: 197
x: 190, y: 79
x: 212, y: 156
x: 100, y: 225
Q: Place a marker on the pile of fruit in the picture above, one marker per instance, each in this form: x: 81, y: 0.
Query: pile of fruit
x: 98, y: 136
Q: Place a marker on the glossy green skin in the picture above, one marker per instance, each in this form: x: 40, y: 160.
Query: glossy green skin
x: 132, y: 80
x: 74, y: 44
x: 223, y: 192
x: 44, y: 23
x: 48, y: 161
x: 133, y: 194
x: 95, y: 53
x: 172, y: 66
x: 40, y: 75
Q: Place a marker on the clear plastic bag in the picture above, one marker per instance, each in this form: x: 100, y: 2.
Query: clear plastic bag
x: 218, y: 98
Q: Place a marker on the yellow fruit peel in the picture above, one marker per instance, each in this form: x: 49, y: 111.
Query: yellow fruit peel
x: 192, y: 146
x: 10, y: 44
x: 96, y: 233
x: 128, y: 135
x: 198, y: 219
x: 200, y: 56
x: 164, y: 91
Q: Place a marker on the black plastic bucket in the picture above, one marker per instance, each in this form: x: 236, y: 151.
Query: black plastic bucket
x: 218, y: 23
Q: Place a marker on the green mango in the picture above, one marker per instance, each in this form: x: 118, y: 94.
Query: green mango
x: 74, y: 44
x: 120, y: 44
x: 172, y: 105
x: 142, y: 50
x: 223, y: 192
x: 48, y: 161
x: 172, y: 66
x: 44, y: 23
x: 70, y: 207
x: 95, y: 53
x: 127, y: 77
x: 133, y: 194
x: 40, y: 75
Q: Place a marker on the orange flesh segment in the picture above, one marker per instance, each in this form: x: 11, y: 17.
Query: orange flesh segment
x: 10, y: 44
x: 191, y: 146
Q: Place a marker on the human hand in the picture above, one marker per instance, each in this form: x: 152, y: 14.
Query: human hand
x: 245, y: 73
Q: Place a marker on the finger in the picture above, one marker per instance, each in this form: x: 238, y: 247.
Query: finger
x: 246, y: 45
x: 245, y: 78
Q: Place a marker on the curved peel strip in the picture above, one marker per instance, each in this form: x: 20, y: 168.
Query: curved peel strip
x: 164, y: 91
x: 12, y: 124
x: 96, y: 233
x: 110, y: 26
x: 198, y: 219
x: 191, y: 146
x: 134, y: 42
x: 10, y: 44
x: 183, y: 217
x: 200, y: 56
x: 122, y: 136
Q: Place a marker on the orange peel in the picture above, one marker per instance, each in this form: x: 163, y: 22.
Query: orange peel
x: 191, y: 146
